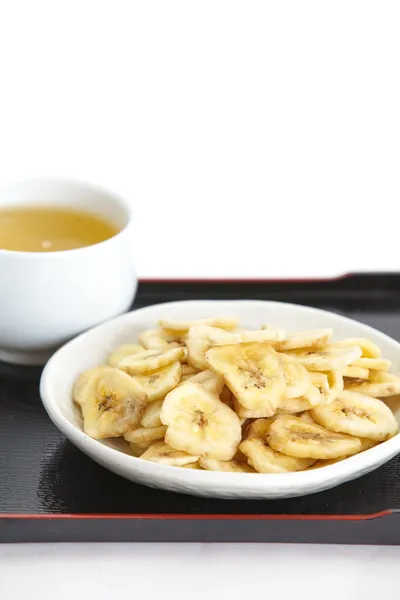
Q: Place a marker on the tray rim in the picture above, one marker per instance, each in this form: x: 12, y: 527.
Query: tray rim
x: 257, y: 279
x: 201, y: 517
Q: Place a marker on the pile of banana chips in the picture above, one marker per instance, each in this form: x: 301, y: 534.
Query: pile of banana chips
x: 207, y: 395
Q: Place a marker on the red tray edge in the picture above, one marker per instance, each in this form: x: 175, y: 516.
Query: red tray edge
x: 243, y: 279
x: 185, y: 517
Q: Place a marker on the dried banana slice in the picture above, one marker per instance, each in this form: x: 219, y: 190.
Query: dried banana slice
x: 151, y: 415
x: 153, y: 338
x: 368, y: 348
x: 335, y: 383
x: 158, y: 383
x: 321, y: 382
x: 198, y: 343
x: 263, y: 458
x: 249, y: 413
x: 199, y: 423
x: 228, y: 323
x: 150, y: 360
x: 353, y: 372
x: 358, y: 415
x: 258, y: 429
x: 253, y: 372
x: 224, y: 338
x: 188, y: 371
x: 305, y: 339
x: 306, y: 416
x: 122, y: 352
x: 210, y: 380
x: 380, y: 385
x: 160, y: 452
x: 295, y: 437
x: 203, y: 337
x: 365, y: 445
x: 142, y: 436
x: 210, y: 464
x: 377, y: 364
x: 295, y: 405
x: 111, y: 402
x: 83, y: 380
x: 195, y: 465
x: 328, y: 385
x: 329, y: 358
x: 297, y: 378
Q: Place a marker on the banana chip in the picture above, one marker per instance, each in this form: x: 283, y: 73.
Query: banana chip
x: 380, y: 385
x: 197, y: 345
x: 111, y: 403
x: 163, y: 453
x: 262, y: 457
x: 295, y: 405
x: 253, y: 372
x: 306, y: 339
x: 188, y: 371
x: 306, y: 416
x: 296, y: 437
x: 224, y: 338
x: 210, y: 380
x: 83, y: 380
x: 378, y: 364
x: 195, y: 465
x: 158, y: 383
x: 153, y: 338
x: 329, y: 358
x: 199, y: 423
x: 228, y: 323
x: 145, y: 437
x: 355, y: 372
x: 358, y: 415
x: 366, y: 444
x: 368, y: 348
x: 122, y: 352
x: 328, y: 386
x: 297, y: 378
x: 232, y: 466
x: 335, y: 383
x: 250, y: 413
x: 150, y: 360
x: 151, y: 415
x: 258, y: 429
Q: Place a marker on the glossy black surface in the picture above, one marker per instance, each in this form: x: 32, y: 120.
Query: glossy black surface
x: 42, y: 473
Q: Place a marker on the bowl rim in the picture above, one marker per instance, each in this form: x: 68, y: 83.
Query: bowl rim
x: 352, y: 467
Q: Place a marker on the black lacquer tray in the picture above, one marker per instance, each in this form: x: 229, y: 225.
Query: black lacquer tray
x: 50, y: 491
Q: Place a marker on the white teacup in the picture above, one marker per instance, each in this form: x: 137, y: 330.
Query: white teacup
x: 48, y: 297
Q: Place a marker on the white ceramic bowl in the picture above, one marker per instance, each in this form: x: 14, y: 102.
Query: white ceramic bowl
x: 93, y: 347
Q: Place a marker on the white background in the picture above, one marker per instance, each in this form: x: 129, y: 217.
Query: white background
x: 254, y: 139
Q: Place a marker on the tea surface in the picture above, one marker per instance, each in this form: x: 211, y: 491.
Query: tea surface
x: 49, y: 229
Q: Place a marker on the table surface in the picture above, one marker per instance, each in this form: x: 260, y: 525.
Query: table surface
x: 101, y: 571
